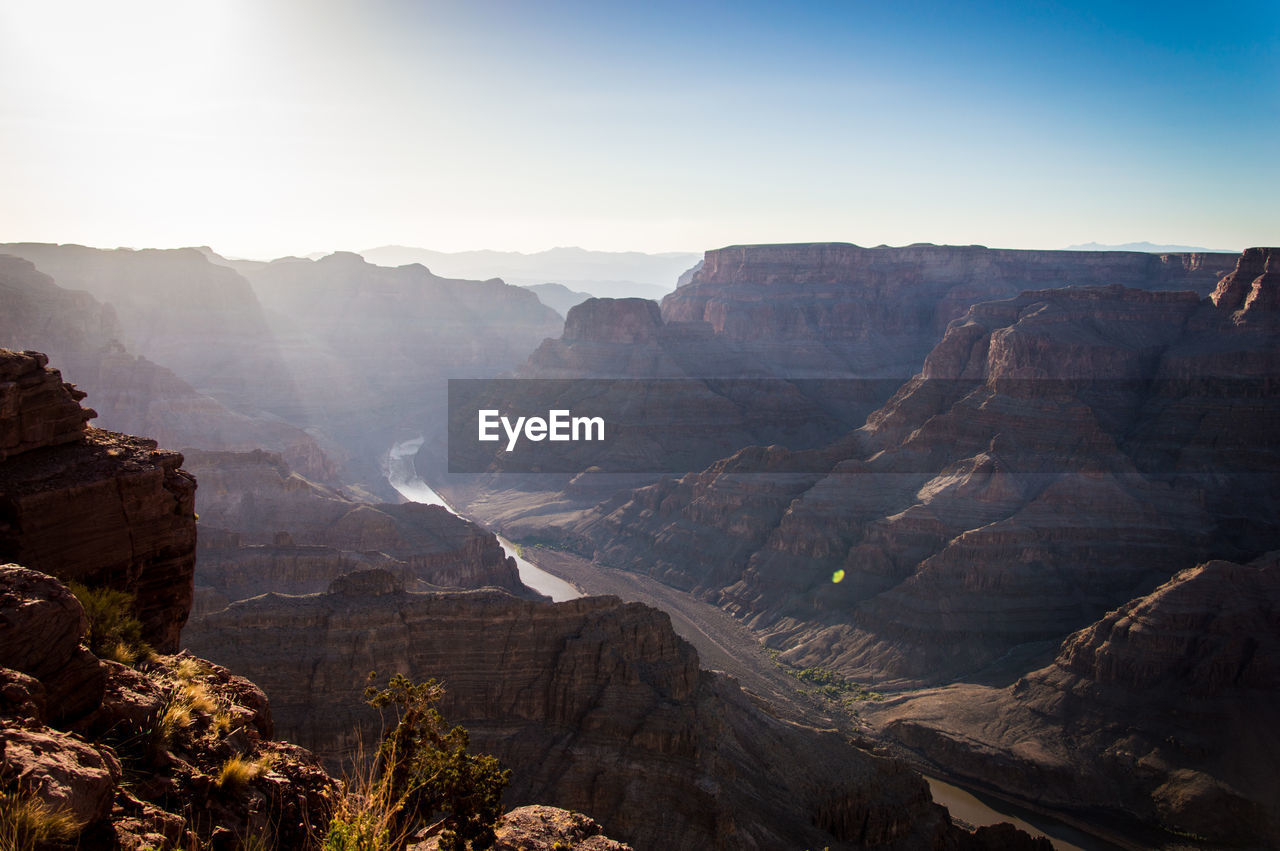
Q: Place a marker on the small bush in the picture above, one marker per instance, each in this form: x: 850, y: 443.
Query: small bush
x: 423, y: 778
x: 114, y: 632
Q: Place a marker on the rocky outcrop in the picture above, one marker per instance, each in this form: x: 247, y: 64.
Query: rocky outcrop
x: 141, y: 762
x: 37, y: 408
x: 596, y: 705
x: 1163, y: 709
x: 1059, y: 453
x: 101, y: 508
x: 132, y: 394
x: 1252, y: 290
x: 266, y: 529
x: 540, y: 828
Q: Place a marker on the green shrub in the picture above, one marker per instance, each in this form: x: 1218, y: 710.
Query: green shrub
x: 423, y: 777
x: 114, y: 632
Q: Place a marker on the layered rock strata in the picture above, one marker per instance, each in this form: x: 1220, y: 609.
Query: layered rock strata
x: 1060, y: 453
x: 878, y: 311
x: 844, y: 325
x: 596, y: 706
x: 101, y: 508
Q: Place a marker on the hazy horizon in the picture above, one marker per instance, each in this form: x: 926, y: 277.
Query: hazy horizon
x: 286, y: 128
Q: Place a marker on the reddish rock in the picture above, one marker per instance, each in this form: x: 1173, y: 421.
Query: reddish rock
x: 58, y: 769
x: 37, y: 408
x: 110, y: 510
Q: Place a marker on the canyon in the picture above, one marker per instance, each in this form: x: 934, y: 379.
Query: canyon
x: 1030, y: 497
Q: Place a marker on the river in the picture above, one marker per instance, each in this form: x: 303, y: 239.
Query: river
x: 962, y: 804
x: 403, y: 476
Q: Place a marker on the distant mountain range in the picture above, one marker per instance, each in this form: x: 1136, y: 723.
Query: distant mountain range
x: 1150, y: 248
x: 600, y: 273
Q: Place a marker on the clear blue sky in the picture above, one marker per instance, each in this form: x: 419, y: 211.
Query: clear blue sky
x: 266, y: 127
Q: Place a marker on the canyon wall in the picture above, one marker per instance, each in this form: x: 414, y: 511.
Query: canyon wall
x: 596, y: 705
x: 264, y: 528
x: 1058, y: 454
x: 132, y: 394
x: 878, y: 311
x: 1164, y: 708
x: 98, y: 507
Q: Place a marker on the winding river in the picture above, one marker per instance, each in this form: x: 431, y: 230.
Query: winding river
x: 963, y: 804
x: 402, y: 476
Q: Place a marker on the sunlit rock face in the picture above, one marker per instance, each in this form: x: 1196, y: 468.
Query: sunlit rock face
x: 595, y: 705
x: 1059, y: 453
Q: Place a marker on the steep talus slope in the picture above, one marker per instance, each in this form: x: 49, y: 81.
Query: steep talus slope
x: 92, y: 505
x: 595, y: 704
x: 1164, y: 708
x: 132, y: 394
x: 264, y: 528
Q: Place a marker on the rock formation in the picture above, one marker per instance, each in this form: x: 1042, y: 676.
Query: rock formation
x: 136, y: 758
x: 539, y: 828
x: 1059, y: 453
x: 843, y: 326
x: 102, y: 508
x: 1164, y: 709
x: 596, y: 705
x: 878, y: 311
x: 266, y: 529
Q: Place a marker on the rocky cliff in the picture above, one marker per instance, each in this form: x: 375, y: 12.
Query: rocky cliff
x: 98, y: 507
x: 104, y: 744
x: 132, y: 394
x: 595, y: 704
x: 135, y: 757
x: 878, y: 311
x: 844, y: 326
x: 1059, y: 453
x: 1164, y: 709
x: 265, y: 529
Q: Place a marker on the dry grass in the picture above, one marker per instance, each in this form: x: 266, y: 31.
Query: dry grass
x: 27, y: 823
x: 238, y: 772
